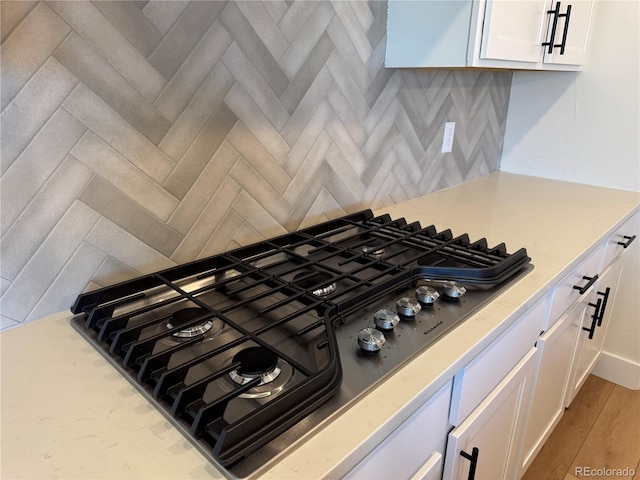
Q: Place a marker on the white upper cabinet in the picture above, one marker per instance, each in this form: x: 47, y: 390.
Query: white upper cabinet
x: 511, y: 34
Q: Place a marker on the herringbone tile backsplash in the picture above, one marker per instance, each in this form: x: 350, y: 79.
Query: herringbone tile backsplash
x: 141, y: 134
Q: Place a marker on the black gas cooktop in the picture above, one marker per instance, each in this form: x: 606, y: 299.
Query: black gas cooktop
x: 238, y: 348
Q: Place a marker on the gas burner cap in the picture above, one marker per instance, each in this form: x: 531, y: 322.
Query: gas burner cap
x: 427, y: 295
x: 319, y: 282
x: 185, y: 315
x: 453, y: 290
x: 373, y: 247
x: 408, y: 306
x: 255, y: 362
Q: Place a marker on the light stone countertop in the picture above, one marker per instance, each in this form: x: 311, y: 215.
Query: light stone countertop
x: 66, y: 413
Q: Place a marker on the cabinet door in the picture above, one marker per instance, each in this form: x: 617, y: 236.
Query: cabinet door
x: 411, y: 448
x: 494, y: 428
x: 514, y: 30
x: 576, y: 26
x: 555, y: 348
x: 594, y: 325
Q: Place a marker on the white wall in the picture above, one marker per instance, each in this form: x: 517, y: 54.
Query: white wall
x: 585, y: 126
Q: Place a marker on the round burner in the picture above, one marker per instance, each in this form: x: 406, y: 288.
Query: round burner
x: 374, y: 246
x: 255, y: 362
x: 185, y: 315
x: 319, y: 282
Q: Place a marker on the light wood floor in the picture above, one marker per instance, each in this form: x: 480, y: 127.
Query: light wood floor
x: 600, y: 430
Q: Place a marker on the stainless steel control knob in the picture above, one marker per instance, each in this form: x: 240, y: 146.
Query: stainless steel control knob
x: 427, y: 295
x: 408, y: 306
x: 453, y: 290
x: 370, y: 340
x: 385, y: 320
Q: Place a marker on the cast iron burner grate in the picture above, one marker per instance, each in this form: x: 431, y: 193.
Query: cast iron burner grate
x: 284, y: 297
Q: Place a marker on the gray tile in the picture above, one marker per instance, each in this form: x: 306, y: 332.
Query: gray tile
x: 411, y: 122
x: 5, y: 322
x: 345, y: 113
x: 93, y: 70
x: 183, y: 36
x: 193, y: 72
x: 11, y: 14
x: 353, y: 28
x: 306, y: 108
x: 125, y: 248
x: 247, y: 235
x: 305, y: 174
x: 341, y: 193
x: 363, y: 14
x: 124, y: 212
x: 378, y: 28
x: 32, y: 107
x: 377, y: 148
x: 105, y: 122
x: 347, y: 51
x: 252, y: 150
x: 346, y: 144
x: 352, y: 93
x: 295, y: 17
x: 382, y: 105
x: 29, y: 46
x: 299, y: 49
x: 200, y: 194
x: 194, y: 117
x: 379, y: 83
x: 257, y: 216
x: 88, y: 22
x: 163, y: 14
x: 211, y: 219
x: 248, y: 77
x: 313, y: 129
x: 117, y: 170
x: 249, y: 179
x: 307, y: 73
x: 259, y: 15
x: 51, y: 256
x: 248, y: 112
x: 276, y: 9
x: 251, y: 44
x: 4, y: 284
x: 222, y: 238
x: 380, y: 131
x: 69, y: 283
x: 111, y: 272
x: 21, y: 182
x: 20, y: 242
x: 304, y: 203
x: 202, y: 149
x: 132, y: 24
x: 343, y: 169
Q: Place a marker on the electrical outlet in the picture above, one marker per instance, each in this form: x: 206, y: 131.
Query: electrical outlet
x: 447, y: 140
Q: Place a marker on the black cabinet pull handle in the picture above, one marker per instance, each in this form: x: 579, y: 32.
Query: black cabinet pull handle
x: 594, y: 319
x: 605, y: 295
x: 591, y: 281
x: 552, y: 37
x: 628, y: 241
x: 473, y: 458
x: 567, y: 16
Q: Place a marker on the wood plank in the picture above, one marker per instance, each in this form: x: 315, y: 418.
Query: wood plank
x: 614, y: 440
x: 556, y: 457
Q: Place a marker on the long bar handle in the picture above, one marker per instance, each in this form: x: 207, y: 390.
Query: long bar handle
x: 473, y: 458
x: 554, y: 26
x: 628, y: 241
x: 583, y: 289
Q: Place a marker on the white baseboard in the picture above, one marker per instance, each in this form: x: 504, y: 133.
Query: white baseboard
x: 621, y: 371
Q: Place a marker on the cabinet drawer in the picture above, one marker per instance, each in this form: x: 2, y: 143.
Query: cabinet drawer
x: 621, y: 238
x: 564, y: 293
x: 475, y: 381
x: 410, y: 450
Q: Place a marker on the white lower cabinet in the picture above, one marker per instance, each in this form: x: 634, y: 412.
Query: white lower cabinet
x: 489, y: 439
x: 415, y: 449
x: 555, y: 350
x: 593, y: 329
